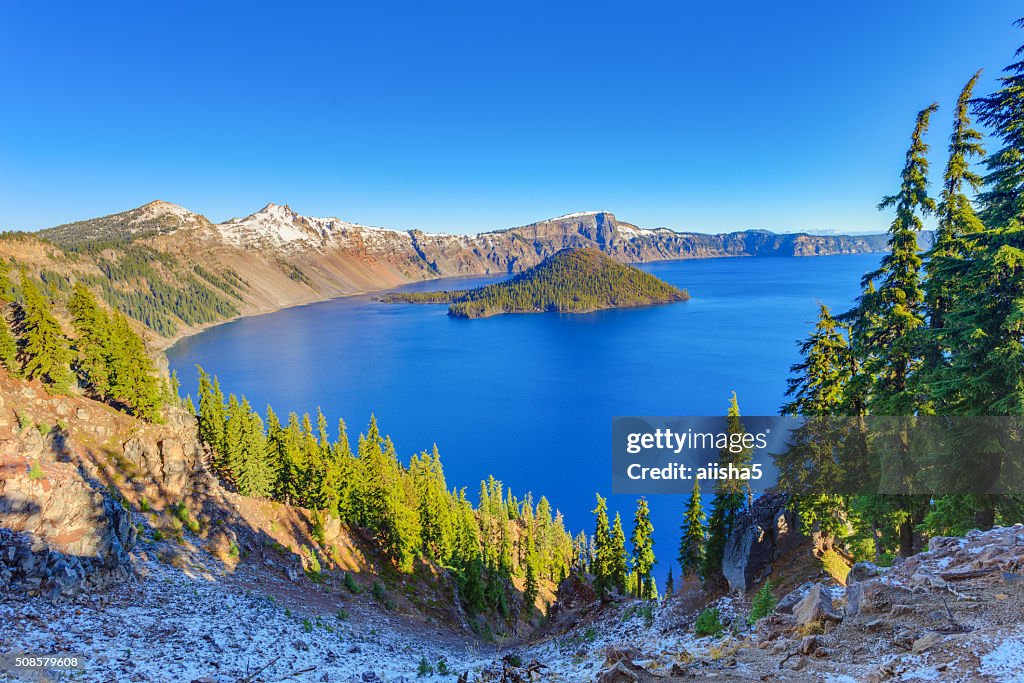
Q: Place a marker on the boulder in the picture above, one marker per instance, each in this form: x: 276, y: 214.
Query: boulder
x: 332, y: 528
x: 761, y: 535
x: 862, y: 571
x: 790, y: 600
x: 816, y: 606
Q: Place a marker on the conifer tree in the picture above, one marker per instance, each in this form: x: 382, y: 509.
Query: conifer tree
x: 6, y: 286
x: 819, y: 381
x: 1003, y: 198
x: 93, y: 340
x: 818, y: 390
x: 249, y: 467
x: 945, y: 281
x: 602, y: 566
x: 133, y: 379
x: 620, y: 557
x: 8, y: 345
x: 889, y: 323
x: 730, y: 499
x: 670, y: 584
x: 643, y: 551
x: 45, y: 353
x: 211, y: 411
x: 532, y: 587
x: 894, y: 311
x: 694, y: 535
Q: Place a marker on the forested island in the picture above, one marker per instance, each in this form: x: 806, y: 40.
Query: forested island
x: 570, y: 281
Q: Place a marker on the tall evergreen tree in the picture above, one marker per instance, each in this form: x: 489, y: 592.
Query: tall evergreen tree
x: 620, y: 557
x: 691, y: 544
x: 8, y: 344
x: 891, y: 349
x: 945, y: 279
x: 211, y: 411
x: 730, y: 499
x: 818, y: 389
x: 670, y: 584
x: 819, y: 380
x: 1003, y: 198
x: 133, y: 380
x: 6, y: 286
x: 602, y: 566
x: 643, y: 551
x: 888, y: 323
x: 45, y: 352
x: 92, y: 341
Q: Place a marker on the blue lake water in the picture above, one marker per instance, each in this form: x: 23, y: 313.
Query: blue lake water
x: 530, y: 398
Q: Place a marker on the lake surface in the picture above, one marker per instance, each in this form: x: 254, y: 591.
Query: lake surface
x: 530, y: 398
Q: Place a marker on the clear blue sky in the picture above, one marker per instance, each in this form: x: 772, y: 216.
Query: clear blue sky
x: 467, y: 116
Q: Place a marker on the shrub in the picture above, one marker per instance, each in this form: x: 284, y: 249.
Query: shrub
x: 144, y: 505
x: 181, y: 513
x: 307, y: 625
x: 763, y: 604
x: 317, y: 530
x: 35, y: 472
x: 709, y: 623
x: 233, y: 550
x: 442, y: 667
x: 351, y: 585
x: 425, y: 668
x: 379, y: 594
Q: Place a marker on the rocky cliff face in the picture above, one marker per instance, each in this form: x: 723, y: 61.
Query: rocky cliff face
x: 64, y: 524
x: 416, y: 253
x: 763, y: 534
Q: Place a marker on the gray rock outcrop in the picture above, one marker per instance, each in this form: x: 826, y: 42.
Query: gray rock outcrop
x: 762, y: 535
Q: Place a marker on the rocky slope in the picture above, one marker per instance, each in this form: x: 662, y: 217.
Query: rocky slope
x: 276, y: 257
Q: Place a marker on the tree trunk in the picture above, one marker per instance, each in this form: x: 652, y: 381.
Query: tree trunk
x: 907, y: 538
x: 985, y: 518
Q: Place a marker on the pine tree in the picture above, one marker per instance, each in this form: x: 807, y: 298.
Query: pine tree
x: 890, y: 321
x: 602, y: 566
x: 532, y: 588
x: 819, y: 390
x: 133, y: 379
x: 92, y: 342
x: 643, y: 551
x: 250, y: 469
x: 6, y: 286
x: 945, y: 281
x: 730, y: 499
x: 45, y: 353
x: 895, y: 310
x: 620, y: 557
x: 670, y: 584
x: 8, y: 345
x: 1003, y: 198
x: 694, y: 535
x: 211, y: 411
x: 819, y: 381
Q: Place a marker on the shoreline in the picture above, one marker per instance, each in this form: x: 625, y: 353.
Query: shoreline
x: 162, y: 344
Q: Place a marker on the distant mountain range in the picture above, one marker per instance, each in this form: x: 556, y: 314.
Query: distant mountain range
x: 276, y: 257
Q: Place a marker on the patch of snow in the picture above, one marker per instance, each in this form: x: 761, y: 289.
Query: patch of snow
x: 1005, y: 662
x: 579, y: 214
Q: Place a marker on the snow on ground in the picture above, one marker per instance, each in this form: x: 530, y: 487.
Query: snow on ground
x: 178, y: 626
x: 1006, y: 661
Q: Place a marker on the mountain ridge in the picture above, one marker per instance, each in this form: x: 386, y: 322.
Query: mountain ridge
x: 158, y: 261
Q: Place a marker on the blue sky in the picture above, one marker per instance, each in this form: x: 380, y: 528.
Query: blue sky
x: 467, y: 116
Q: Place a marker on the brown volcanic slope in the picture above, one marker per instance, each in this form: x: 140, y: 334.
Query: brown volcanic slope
x: 277, y: 258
